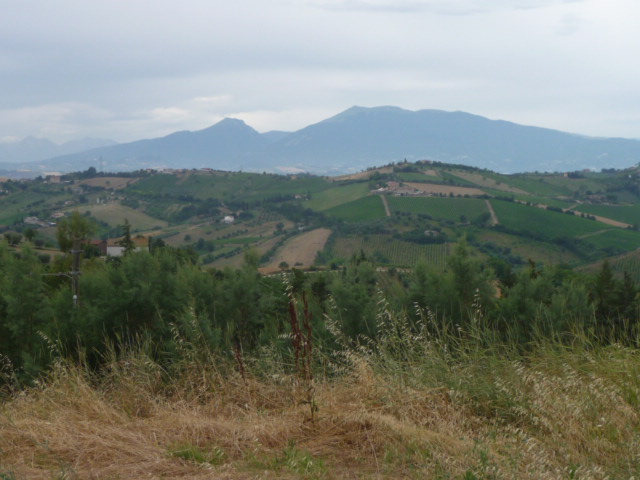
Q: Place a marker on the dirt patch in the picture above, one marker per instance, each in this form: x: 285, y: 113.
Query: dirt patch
x: 444, y: 189
x: 494, y: 217
x: 300, y: 251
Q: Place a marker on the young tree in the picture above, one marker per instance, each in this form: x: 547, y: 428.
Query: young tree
x: 126, y: 240
x: 73, y: 231
x: 71, y: 234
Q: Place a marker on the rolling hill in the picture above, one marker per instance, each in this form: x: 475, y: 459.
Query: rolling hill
x: 397, y: 215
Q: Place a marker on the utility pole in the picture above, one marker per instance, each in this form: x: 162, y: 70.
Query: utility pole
x: 75, y: 271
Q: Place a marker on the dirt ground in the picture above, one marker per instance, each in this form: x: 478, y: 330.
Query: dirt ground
x: 300, y: 251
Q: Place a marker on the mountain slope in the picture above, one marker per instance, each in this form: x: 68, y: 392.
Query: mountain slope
x: 369, y: 135
x: 362, y: 137
x: 228, y: 145
x: 32, y: 149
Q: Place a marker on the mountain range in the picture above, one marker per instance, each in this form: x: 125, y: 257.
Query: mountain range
x: 31, y: 149
x: 354, y: 140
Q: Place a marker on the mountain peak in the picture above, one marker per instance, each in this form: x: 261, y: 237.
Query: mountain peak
x: 358, y: 111
x: 231, y: 122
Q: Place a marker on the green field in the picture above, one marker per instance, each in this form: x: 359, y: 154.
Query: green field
x: 237, y: 241
x: 616, y: 238
x: 455, y: 179
x: 19, y: 204
x: 527, y: 248
x: 542, y: 223
x: 383, y: 249
x: 623, y: 213
x: 245, y: 186
x: 628, y: 262
x: 365, y: 209
x: 115, y: 214
x: 438, y: 207
x: 540, y: 185
x: 335, y: 196
x: 536, y: 200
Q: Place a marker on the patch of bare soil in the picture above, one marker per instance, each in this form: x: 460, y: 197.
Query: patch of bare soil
x: 610, y: 221
x: 300, y: 250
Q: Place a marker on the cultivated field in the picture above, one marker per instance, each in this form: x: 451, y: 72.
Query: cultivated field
x: 445, y: 189
x: 361, y: 175
x: 300, y: 251
x: 486, y: 181
x: 362, y: 210
x: 626, y: 263
x: 436, y: 207
x: 627, y: 214
x: 114, y: 183
x: 115, y: 214
x: 615, y: 238
x: 383, y: 249
x: 332, y: 197
x: 542, y: 222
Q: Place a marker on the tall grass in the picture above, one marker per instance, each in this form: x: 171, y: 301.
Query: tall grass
x: 422, y: 400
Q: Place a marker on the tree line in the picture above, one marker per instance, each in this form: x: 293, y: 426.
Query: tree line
x: 163, y: 297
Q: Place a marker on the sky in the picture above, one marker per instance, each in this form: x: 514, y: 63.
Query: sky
x: 131, y: 69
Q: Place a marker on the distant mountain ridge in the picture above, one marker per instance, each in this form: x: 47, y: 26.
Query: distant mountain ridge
x: 31, y: 149
x: 359, y: 138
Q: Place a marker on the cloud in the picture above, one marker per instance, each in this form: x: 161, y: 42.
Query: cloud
x: 60, y: 121
x: 145, y: 68
x: 443, y: 7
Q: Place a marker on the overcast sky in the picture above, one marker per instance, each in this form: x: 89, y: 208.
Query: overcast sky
x: 131, y: 69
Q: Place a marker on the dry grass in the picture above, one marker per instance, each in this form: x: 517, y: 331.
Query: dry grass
x: 552, y: 415
x: 301, y: 250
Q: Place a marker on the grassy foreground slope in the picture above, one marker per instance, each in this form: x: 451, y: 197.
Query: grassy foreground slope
x: 404, y: 408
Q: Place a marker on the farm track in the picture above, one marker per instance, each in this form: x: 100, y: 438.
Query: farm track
x: 386, y: 205
x: 593, y: 234
x: 610, y: 221
x: 494, y: 217
x: 605, y: 220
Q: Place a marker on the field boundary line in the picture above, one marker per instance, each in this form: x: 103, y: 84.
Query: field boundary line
x: 494, y: 217
x: 386, y: 205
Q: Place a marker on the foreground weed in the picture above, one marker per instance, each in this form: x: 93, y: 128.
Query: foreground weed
x: 193, y: 453
x: 299, y: 462
x: 485, y: 470
x: 302, y: 343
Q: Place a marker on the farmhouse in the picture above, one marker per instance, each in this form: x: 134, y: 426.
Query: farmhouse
x: 112, y: 247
